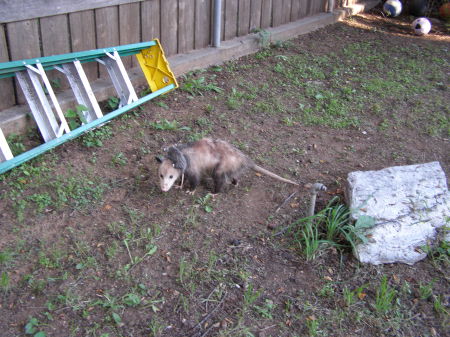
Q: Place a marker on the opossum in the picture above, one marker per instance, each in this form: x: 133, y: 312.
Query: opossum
x: 216, y: 157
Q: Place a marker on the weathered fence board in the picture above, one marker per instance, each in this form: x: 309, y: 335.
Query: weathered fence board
x: 14, y: 10
x: 243, y: 17
x: 150, y: 15
x: 130, y: 31
x: 186, y: 21
x: 266, y: 13
x: 107, y: 33
x: 54, y: 44
x: 82, y: 36
x: 7, y: 98
x: 231, y: 18
x: 202, y: 23
x: 255, y: 15
x: 23, y: 37
x: 169, y: 39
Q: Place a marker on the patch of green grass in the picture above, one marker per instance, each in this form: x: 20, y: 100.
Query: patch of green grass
x: 15, y: 143
x: 95, y: 138
x: 385, y: 297
x: 198, y: 85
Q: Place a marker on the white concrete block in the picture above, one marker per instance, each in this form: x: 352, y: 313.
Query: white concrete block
x: 408, y: 203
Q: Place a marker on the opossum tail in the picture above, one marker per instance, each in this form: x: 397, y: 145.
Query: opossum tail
x: 273, y: 175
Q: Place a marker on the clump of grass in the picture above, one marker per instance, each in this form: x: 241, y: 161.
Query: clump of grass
x: 331, y: 227
x: 385, y: 297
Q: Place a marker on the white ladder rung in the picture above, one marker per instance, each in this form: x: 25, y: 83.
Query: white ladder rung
x: 119, y: 77
x: 39, y: 104
x: 5, y: 151
x: 82, y: 89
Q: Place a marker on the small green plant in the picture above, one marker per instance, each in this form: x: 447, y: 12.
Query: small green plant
x: 425, y: 290
x: 205, y: 202
x: 95, y: 138
x: 312, y: 324
x: 76, y: 117
x: 113, y: 102
x: 385, y: 296
x: 196, y: 86
x: 349, y: 296
x: 166, y: 125
x: 4, y: 281
x: 263, y: 37
x: 119, y: 159
x: 15, y: 143
x: 250, y: 296
x: 31, y: 328
x: 267, y: 309
x: 439, y: 307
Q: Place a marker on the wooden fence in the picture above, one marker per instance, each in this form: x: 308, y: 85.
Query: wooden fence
x: 34, y: 28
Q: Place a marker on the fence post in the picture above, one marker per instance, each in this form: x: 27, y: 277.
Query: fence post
x: 330, y: 6
x: 217, y: 23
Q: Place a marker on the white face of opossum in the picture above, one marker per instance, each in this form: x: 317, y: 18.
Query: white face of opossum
x: 167, y: 175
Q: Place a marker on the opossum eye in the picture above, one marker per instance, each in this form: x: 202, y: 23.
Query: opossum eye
x: 161, y: 176
x: 171, y: 177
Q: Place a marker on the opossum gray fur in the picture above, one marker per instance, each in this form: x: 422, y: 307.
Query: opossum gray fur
x: 216, y: 157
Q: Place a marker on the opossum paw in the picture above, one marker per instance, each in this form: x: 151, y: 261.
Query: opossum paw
x: 190, y: 192
x: 178, y: 187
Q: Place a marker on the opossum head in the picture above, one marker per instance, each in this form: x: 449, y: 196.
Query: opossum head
x: 167, y: 173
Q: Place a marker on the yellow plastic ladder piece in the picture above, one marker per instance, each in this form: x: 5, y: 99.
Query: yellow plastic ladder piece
x: 156, y: 69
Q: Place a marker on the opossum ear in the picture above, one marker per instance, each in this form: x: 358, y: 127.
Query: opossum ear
x: 159, y: 159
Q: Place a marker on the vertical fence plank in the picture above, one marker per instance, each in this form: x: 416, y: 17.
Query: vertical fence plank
x: 303, y: 8
x: 130, y: 28
x: 54, y: 44
x: 150, y: 16
x: 23, y: 37
x: 255, y: 15
x: 7, y: 98
x: 186, y: 16
x: 169, y: 26
x: 295, y: 10
x: 277, y: 13
x: 266, y: 13
x: 244, y: 17
x: 202, y: 23
x: 82, y: 34
x: 287, y: 11
x: 107, y: 30
x: 231, y: 17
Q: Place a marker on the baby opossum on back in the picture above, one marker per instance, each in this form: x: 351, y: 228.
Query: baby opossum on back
x: 216, y: 157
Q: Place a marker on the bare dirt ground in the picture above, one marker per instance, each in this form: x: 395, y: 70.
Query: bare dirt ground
x: 91, y: 247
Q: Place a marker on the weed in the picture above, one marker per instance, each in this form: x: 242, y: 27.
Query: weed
x: 312, y: 324
x: 196, y: 86
x: 165, y: 125
x: 349, y: 296
x: 4, y: 281
x: 95, y: 138
x: 250, y: 296
x: 156, y: 326
x: 267, y: 309
x: 205, y: 203
x: 119, y: 159
x: 15, y: 143
x: 76, y: 117
x: 439, y: 307
x: 385, y: 296
x: 31, y: 328
x: 425, y: 291
x: 113, y: 103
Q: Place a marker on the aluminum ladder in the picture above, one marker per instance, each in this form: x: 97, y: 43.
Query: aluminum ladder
x: 43, y: 102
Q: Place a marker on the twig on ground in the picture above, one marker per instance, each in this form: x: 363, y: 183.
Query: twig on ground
x: 199, y: 324
x: 285, y: 201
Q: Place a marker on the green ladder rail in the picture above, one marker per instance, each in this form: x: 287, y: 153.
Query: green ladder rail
x: 43, y: 103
